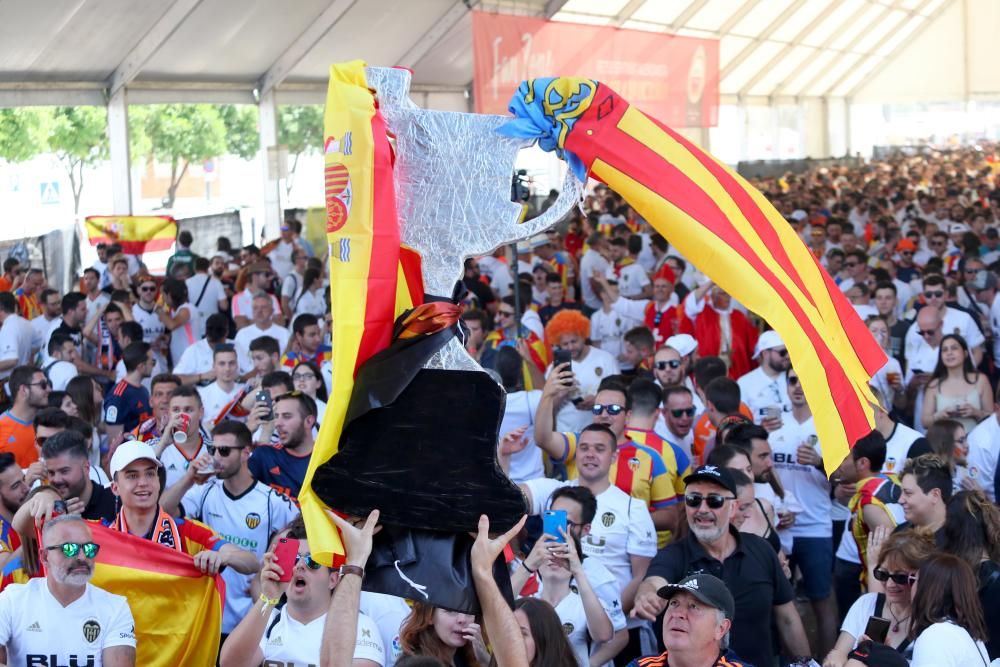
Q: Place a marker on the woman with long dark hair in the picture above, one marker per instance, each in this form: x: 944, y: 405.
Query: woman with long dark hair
x: 946, y: 618
x: 972, y: 532
x: 449, y: 636
x: 181, y: 321
x: 544, y: 637
x: 87, y: 399
x: 956, y: 389
x: 949, y: 440
x: 307, y: 379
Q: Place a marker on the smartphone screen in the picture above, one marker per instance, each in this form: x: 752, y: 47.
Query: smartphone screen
x: 877, y: 629
x: 552, y: 521
x: 284, y: 554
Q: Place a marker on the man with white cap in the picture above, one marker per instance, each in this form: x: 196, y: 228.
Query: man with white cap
x: 696, y: 623
x: 765, y: 389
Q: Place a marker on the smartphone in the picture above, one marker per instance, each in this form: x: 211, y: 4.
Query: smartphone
x: 284, y: 555
x: 877, y: 629
x: 264, y: 396
x: 561, y: 356
x: 552, y: 521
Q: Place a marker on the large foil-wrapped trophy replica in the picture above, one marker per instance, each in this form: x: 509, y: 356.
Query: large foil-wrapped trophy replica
x: 411, y: 425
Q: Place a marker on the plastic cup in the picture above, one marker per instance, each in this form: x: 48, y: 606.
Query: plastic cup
x: 180, y: 435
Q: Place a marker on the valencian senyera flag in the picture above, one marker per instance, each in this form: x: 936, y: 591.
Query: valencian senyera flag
x: 176, y: 608
x: 727, y: 229
x: 136, y: 234
x: 373, y: 278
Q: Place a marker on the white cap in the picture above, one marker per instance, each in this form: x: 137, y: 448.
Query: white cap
x: 523, y: 247
x: 538, y: 240
x: 129, y: 451
x: 958, y: 228
x: 685, y: 344
x: 768, y: 341
x: 798, y: 215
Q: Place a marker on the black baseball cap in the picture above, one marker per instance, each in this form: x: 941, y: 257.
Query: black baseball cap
x: 715, y: 474
x: 706, y: 588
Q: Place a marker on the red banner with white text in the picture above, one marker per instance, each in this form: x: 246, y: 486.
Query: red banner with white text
x: 674, y: 79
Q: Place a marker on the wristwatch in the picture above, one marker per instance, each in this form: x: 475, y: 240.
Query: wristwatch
x: 352, y: 569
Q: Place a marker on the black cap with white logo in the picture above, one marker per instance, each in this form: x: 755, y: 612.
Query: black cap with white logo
x: 706, y: 588
x: 715, y: 474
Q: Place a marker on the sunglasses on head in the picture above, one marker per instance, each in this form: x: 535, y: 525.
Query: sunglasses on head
x: 714, y: 500
x: 223, y: 451
x: 682, y: 412
x: 614, y: 409
x: 308, y: 559
x: 936, y: 294
x: 663, y: 365
x: 71, y: 549
x: 900, y: 578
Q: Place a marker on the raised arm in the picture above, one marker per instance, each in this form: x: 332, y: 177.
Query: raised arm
x: 498, y: 619
x: 559, y: 384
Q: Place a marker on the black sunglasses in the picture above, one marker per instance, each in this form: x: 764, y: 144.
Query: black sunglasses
x: 663, y: 365
x: 44, y: 384
x: 935, y: 294
x: 714, y: 500
x: 683, y: 412
x: 223, y: 451
x: 148, y: 288
x: 614, y: 409
x: 793, y: 380
x: 928, y: 332
x: 900, y: 578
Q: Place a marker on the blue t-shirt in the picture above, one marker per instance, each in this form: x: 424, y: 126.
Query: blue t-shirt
x: 279, y: 468
x: 127, y: 406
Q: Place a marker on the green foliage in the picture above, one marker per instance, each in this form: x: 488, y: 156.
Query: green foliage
x: 79, y: 134
x: 22, y: 135
x: 242, y: 135
x: 300, y: 128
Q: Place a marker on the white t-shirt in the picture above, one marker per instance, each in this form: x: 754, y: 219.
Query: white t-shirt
x: 251, y: 332
x: 292, y: 643
x: 213, y: 399
x: 808, y: 484
x: 388, y: 612
x: 214, y: 293
x: 291, y: 288
x: 621, y: 528
x: 60, y: 373
x: 16, y: 336
x: 37, y: 629
x: 608, y: 329
x: 281, y: 258
x: 631, y: 280
x: 40, y: 330
x: 520, y: 411
x: 955, y: 322
x: 948, y: 645
x: 897, y: 446
x: 313, y: 303
x: 597, y: 365
x: 573, y: 618
x: 175, y: 463
x: 857, y: 616
x: 186, y: 335
x: 758, y: 391
x: 590, y: 262
x: 152, y: 327
x: 199, y: 359
x: 984, y: 449
x: 247, y: 521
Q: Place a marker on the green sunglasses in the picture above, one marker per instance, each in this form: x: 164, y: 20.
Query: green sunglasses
x: 71, y: 549
x: 310, y: 563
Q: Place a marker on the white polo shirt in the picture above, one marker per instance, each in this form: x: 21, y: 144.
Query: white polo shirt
x: 984, y: 449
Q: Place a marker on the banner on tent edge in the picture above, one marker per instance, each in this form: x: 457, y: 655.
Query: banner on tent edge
x: 675, y: 79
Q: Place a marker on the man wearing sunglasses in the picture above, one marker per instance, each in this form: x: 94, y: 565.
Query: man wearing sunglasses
x: 856, y: 267
x: 764, y: 389
x: 746, y: 563
x: 62, y: 619
x: 232, y: 503
x: 293, y: 633
x: 954, y: 320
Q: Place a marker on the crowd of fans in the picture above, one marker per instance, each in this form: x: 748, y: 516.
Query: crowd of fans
x: 679, y: 509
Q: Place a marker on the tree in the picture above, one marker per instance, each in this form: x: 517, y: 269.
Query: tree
x: 21, y: 134
x: 300, y: 128
x: 179, y: 134
x: 79, y: 138
x: 242, y: 135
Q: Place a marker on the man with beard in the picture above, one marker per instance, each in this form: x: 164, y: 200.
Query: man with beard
x: 764, y: 389
x: 678, y: 418
x: 36, y: 618
x: 472, y: 281
x: 44, y: 323
x: 13, y: 491
x: 30, y: 392
x: 284, y: 467
x: 233, y: 504
x: 183, y: 435
x: 745, y: 563
x: 68, y: 470
x: 720, y: 329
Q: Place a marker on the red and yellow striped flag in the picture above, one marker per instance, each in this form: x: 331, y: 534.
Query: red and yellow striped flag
x: 728, y: 229
x: 373, y: 279
x: 136, y: 234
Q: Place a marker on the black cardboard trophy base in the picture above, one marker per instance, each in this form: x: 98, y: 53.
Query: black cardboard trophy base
x: 428, y: 459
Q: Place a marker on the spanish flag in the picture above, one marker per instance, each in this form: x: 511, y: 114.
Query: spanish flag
x: 373, y: 279
x: 177, y: 610
x: 136, y: 234
x: 728, y: 229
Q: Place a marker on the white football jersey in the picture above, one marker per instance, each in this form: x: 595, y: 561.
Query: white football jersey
x: 288, y: 642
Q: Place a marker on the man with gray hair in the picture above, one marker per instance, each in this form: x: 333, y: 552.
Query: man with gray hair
x: 699, y: 613
x: 62, y: 619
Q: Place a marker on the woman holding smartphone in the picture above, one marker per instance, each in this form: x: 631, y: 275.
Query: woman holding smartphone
x: 898, y: 562
x: 956, y: 389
